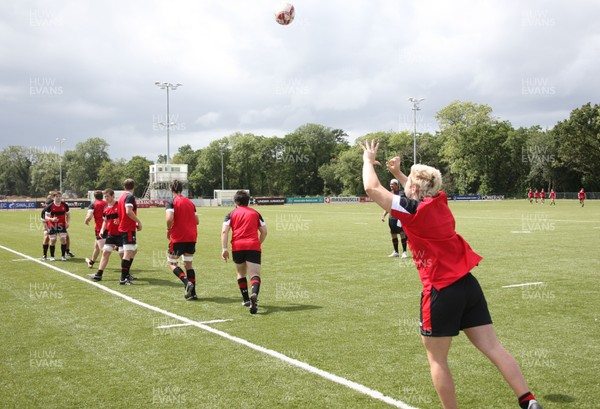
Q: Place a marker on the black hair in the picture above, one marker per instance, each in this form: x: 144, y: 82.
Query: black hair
x: 242, y: 198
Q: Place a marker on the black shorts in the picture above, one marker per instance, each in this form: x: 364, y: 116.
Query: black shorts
x: 128, y: 237
x: 241, y: 256
x: 114, y: 241
x: 179, y: 249
x: 394, y: 228
x: 57, y: 229
x: 456, y: 307
x: 99, y: 237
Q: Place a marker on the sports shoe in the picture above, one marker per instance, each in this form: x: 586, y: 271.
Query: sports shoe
x: 404, y: 255
x: 253, y: 304
x: 125, y: 282
x: 89, y: 263
x: 63, y: 258
x: 43, y: 258
x: 246, y: 303
x: 95, y: 277
x: 131, y: 278
x: 394, y: 254
x: 533, y: 404
x: 70, y: 254
x: 52, y: 259
x: 189, y: 290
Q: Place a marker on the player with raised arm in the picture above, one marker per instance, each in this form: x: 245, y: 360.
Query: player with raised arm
x: 129, y: 224
x: 248, y: 233
x: 182, y: 233
x: 58, y: 216
x: 95, y: 212
x: 110, y: 230
x: 452, y: 299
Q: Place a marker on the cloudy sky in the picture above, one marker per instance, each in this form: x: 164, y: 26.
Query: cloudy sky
x: 77, y: 69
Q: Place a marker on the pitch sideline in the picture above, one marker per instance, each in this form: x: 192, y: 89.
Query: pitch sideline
x: 303, y: 365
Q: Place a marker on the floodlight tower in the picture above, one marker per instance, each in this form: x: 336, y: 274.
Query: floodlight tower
x: 415, y: 108
x: 167, y: 123
x: 60, y: 142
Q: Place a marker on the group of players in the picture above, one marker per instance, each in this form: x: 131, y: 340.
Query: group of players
x: 116, y: 224
x: 540, y: 196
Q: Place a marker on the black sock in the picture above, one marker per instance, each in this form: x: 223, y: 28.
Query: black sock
x: 99, y: 273
x: 125, y: 264
x: 52, y: 248
x: 130, y: 263
x: 255, y: 283
x: 191, y: 275
x: 45, y: 248
x: 63, y: 249
x: 524, y: 400
x: 395, y: 243
x: 180, y: 274
x: 404, y: 245
x: 243, y: 285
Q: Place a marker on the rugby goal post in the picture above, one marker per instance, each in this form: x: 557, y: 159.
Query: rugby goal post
x: 225, y: 197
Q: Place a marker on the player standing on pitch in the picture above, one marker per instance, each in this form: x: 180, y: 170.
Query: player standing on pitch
x: 58, y: 216
x: 182, y: 233
x: 246, y: 224
x: 95, y: 211
x: 129, y: 223
x: 581, y: 196
x: 452, y: 299
x: 395, y: 225
x: 110, y: 230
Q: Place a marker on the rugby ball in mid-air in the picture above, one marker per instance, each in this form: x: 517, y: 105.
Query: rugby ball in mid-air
x: 284, y: 14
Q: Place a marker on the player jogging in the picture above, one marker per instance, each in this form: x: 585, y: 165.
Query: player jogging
x: 543, y: 196
x: 536, y: 196
x: 552, y: 197
x: 182, y: 233
x: 452, y: 299
x: 395, y: 225
x: 246, y: 224
x: 581, y: 196
x: 95, y: 211
x: 109, y: 230
x: 57, y: 213
x: 129, y: 223
x: 46, y: 226
x: 530, y: 195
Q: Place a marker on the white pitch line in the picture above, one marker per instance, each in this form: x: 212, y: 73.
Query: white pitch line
x: 187, y: 325
x: 21, y: 259
x: 303, y: 365
x: 522, y: 285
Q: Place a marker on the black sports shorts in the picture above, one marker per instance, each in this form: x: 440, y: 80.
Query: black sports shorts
x: 456, y: 307
x: 178, y: 249
x: 241, y: 256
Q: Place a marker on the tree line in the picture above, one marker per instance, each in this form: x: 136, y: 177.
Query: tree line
x: 476, y: 152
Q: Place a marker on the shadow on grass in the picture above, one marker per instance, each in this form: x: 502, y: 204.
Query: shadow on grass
x: 266, y: 309
x: 157, y: 281
x: 559, y: 397
x: 221, y: 300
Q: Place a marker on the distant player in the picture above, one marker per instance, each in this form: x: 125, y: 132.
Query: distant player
x: 542, y: 196
x: 95, y: 212
x: 182, y: 233
x: 395, y: 225
x: 129, y: 224
x: 109, y: 230
x: 46, y: 227
x: 552, y: 197
x: 536, y: 196
x: 581, y: 196
x: 530, y: 195
x: 246, y: 224
x: 57, y: 213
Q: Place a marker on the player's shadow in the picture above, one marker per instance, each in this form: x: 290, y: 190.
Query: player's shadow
x: 158, y: 281
x: 272, y: 309
x: 559, y: 397
x: 221, y: 300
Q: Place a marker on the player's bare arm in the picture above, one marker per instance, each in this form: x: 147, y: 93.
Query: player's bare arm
x: 224, y: 238
x: 393, y: 166
x: 262, y: 233
x: 129, y: 211
x: 372, y: 186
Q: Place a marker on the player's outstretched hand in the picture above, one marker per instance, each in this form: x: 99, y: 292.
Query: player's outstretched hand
x: 370, y: 149
x: 393, y: 165
x: 225, y: 255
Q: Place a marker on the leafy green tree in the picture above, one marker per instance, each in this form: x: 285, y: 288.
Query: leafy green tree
x: 44, y: 174
x: 207, y: 174
x: 83, y: 164
x: 15, y: 164
x: 138, y: 169
x: 111, y: 175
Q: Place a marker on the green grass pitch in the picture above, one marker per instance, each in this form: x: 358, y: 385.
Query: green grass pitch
x: 330, y: 298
